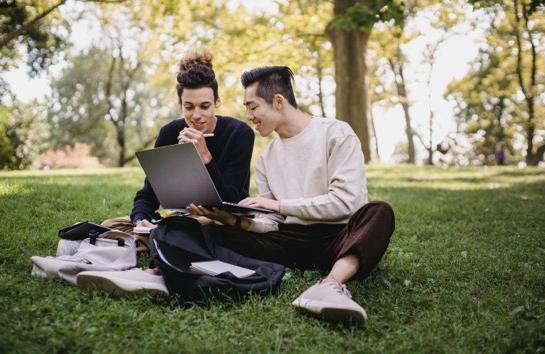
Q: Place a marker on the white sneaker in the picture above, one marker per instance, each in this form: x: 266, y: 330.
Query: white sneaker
x: 123, y: 283
x: 332, y: 301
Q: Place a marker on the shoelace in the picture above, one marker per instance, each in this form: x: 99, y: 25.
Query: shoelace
x: 340, y: 288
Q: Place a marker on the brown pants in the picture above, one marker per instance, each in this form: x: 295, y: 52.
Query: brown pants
x: 366, y: 236
x: 124, y: 224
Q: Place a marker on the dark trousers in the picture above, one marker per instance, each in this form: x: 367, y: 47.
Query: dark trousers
x: 366, y: 236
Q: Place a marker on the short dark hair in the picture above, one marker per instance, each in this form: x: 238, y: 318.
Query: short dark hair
x: 196, y: 72
x: 270, y: 81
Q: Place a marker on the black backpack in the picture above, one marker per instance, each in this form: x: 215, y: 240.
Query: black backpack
x: 178, y: 241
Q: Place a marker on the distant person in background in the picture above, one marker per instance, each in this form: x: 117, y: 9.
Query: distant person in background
x: 226, y: 155
x: 500, y: 153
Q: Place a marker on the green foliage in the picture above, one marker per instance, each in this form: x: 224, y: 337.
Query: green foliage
x: 489, y: 102
x: 389, y: 82
x: 534, y: 5
x: 484, y: 103
x: 241, y: 39
x: 304, y: 25
x: 362, y: 15
x: 81, y: 110
x: 8, y: 156
x: 40, y: 44
x: 537, y: 5
x: 87, y: 105
x: 23, y: 134
x: 463, y: 274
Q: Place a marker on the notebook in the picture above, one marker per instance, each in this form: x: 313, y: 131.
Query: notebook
x: 217, y: 267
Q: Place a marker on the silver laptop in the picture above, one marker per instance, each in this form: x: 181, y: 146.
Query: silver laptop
x: 178, y: 178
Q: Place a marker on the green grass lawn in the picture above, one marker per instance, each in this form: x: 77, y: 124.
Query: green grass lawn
x: 465, y: 272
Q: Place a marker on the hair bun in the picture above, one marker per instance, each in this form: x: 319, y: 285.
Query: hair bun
x: 196, y: 72
x: 199, y: 57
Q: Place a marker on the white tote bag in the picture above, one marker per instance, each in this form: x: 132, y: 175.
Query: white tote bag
x: 113, y: 250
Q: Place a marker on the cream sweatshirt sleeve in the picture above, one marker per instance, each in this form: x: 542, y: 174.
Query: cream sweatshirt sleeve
x: 347, y: 190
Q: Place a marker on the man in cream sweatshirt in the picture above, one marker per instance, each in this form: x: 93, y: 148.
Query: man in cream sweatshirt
x: 312, y: 176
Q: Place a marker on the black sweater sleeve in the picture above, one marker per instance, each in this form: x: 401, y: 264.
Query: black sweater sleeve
x: 145, y: 200
x: 232, y: 176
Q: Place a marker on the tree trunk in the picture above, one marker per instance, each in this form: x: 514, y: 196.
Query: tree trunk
x: 409, y: 131
x: 349, y: 53
x: 536, y: 157
x: 121, y: 129
x: 402, y: 93
x: 319, y: 73
x: 501, y: 109
x: 430, y: 141
x: 374, y: 132
x: 532, y: 158
x: 121, y: 144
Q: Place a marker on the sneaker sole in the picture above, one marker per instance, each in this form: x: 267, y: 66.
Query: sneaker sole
x: 323, y: 310
x: 118, y: 288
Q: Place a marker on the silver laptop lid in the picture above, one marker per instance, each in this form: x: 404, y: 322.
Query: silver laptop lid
x: 178, y: 176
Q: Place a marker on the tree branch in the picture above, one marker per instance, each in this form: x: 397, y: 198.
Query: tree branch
x: 5, y: 39
x: 109, y: 89
x: 533, y: 46
x: 415, y: 133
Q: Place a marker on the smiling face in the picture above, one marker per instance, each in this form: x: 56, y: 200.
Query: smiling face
x: 199, y: 108
x: 263, y: 115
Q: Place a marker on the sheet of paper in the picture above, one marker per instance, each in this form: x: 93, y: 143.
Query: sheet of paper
x: 217, y: 267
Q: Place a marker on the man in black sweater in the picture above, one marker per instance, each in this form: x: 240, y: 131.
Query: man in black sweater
x: 226, y: 154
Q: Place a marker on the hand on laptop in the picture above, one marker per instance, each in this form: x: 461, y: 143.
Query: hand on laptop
x: 260, y: 202
x: 196, y: 137
x: 225, y: 217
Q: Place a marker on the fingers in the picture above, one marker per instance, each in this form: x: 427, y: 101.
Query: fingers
x: 251, y: 202
x: 146, y: 223
x: 199, y: 210
x: 186, y: 141
x: 205, y: 212
x: 214, y: 213
x: 221, y: 214
x: 260, y: 202
x: 192, y: 208
x: 189, y: 135
x: 246, y: 201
